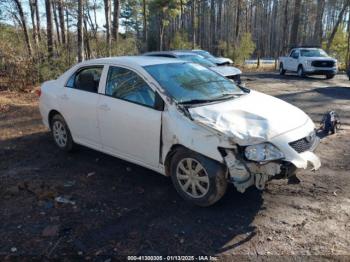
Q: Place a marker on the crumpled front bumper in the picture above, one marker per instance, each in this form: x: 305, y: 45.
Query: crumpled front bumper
x: 302, y: 160
x: 244, y: 174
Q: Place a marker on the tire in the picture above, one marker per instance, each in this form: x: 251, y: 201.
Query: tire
x: 281, y: 70
x: 208, y: 178
x: 330, y: 76
x: 61, y: 133
x: 300, y: 71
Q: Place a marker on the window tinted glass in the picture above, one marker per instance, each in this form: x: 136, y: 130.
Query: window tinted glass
x: 127, y: 85
x: 189, y: 81
x: 313, y: 53
x: 86, y: 79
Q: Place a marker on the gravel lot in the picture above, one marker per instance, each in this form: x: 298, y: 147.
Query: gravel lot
x: 120, y: 209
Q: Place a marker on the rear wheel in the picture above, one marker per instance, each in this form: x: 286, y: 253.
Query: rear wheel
x: 198, y: 179
x: 61, y: 133
x: 282, y: 70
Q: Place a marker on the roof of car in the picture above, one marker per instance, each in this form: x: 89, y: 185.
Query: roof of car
x: 172, y: 52
x: 133, y: 60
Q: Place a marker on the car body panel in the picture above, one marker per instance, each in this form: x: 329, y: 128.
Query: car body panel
x: 247, y: 123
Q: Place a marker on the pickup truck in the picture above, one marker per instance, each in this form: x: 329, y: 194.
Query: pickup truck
x: 308, y: 61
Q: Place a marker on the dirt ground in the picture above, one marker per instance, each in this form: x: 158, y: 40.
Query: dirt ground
x: 119, y: 209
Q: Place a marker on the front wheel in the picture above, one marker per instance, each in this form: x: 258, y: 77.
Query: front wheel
x: 198, y: 179
x: 330, y: 76
x: 301, y: 71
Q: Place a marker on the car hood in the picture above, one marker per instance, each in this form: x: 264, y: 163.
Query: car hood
x: 250, y: 119
x: 226, y: 70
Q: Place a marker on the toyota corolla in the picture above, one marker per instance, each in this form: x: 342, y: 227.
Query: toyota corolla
x: 181, y: 120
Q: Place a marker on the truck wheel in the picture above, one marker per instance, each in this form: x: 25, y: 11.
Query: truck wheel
x: 282, y: 71
x: 61, y: 133
x: 300, y: 71
x: 330, y: 76
x: 198, y: 179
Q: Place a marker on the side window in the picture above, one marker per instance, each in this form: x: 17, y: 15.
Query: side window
x: 295, y: 54
x: 86, y: 79
x: 292, y: 54
x: 127, y: 85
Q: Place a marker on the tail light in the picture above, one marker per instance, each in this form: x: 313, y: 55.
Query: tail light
x: 38, y: 92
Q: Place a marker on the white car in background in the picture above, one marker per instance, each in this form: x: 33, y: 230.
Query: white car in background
x: 308, y: 61
x: 220, y: 61
x: 181, y: 120
x: 229, y: 72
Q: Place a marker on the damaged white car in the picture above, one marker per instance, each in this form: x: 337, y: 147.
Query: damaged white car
x: 181, y: 120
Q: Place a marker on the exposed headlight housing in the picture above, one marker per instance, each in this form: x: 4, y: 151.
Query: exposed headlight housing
x: 263, y: 152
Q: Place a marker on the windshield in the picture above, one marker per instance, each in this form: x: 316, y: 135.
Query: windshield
x: 187, y: 82
x: 197, y: 59
x: 313, y: 53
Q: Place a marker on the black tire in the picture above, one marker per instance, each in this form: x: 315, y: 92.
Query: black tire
x: 282, y: 70
x: 330, y: 76
x: 68, y: 144
x: 216, y: 174
x: 300, y: 71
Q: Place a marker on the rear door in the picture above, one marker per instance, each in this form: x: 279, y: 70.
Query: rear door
x: 78, y: 105
x: 130, y: 124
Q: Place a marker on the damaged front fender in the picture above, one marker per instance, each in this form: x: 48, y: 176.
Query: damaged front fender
x: 244, y: 174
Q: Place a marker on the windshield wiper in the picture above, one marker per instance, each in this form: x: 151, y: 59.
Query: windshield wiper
x: 195, y: 101
x: 203, y: 101
x: 227, y: 96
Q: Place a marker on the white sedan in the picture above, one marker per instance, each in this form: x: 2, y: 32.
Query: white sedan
x: 179, y: 119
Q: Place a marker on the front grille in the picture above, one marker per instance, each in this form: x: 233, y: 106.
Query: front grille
x: 322, y: 63
x: 302, y: 145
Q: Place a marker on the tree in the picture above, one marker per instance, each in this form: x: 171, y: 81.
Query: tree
x: 107, y: 5
x: 144, y: 16
x: 61, y: 18
x: 24, y: 25
x: 32, y: 15
x: 318, y: 23
x: 49, y: 28
x: 295, y: 25
x: 116, y: 12
x: 335, y: 28
x: 80, y: 32
x: 165, y: 11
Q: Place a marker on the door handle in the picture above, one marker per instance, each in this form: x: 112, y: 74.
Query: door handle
x: 64, y: 97
x: 104, y: 107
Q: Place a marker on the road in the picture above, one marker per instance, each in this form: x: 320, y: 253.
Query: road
x: 120, y: 209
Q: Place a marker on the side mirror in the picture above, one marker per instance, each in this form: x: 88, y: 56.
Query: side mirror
x: 158, y: 103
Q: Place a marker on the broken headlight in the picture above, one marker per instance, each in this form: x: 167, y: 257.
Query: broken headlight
x: 263, y: 152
